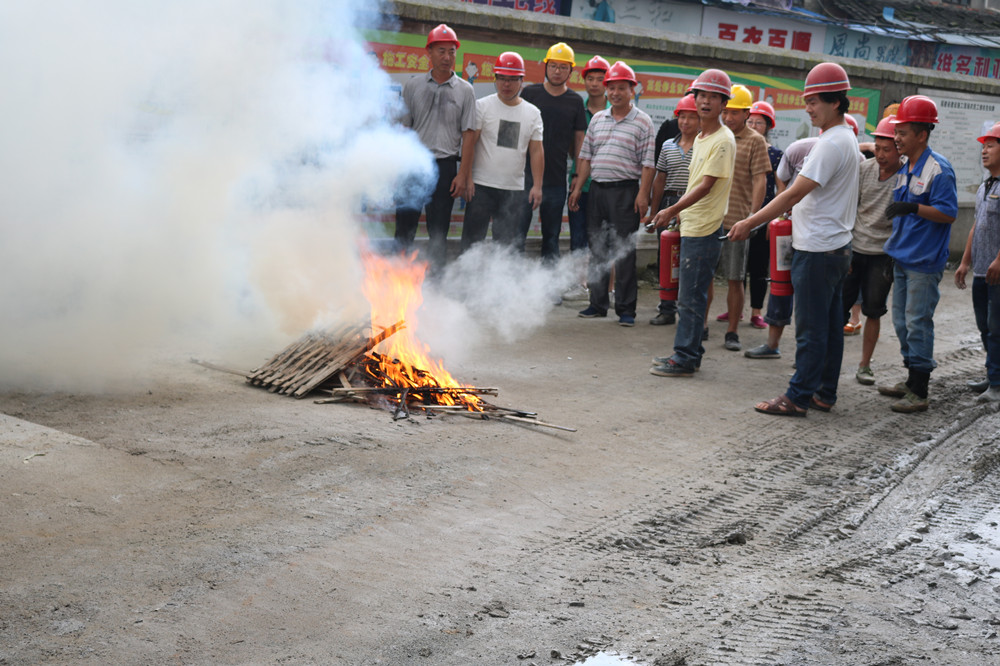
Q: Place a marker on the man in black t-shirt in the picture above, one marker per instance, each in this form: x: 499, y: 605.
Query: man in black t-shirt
x: 564, y: 121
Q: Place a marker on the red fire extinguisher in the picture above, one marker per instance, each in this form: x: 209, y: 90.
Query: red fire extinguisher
x: 780, y: 231
x: 670, y: 262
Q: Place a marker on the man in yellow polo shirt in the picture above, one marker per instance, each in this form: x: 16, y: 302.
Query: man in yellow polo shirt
x: 704, y: 205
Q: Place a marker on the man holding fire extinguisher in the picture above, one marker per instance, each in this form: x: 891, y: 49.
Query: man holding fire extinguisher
x: 824, y: 201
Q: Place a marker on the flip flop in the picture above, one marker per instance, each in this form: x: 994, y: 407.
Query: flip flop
x: 852, y: 329
x: 780, y: 406
x: 821, y: 406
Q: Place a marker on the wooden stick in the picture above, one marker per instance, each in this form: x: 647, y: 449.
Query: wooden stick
x: 213, y: 366
x: 415, y: 389
x: 511, y: 417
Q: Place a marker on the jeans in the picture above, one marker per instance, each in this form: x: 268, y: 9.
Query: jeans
x: 578, y: 225
x: 699, y: 256
x: 502, y: 206
x: 915, y: 296
x: 779, y: 310
x: 550, y: 214
x: 986, y: 304
x: 818, y: 280
x: 611, y: 223
x: 439, y: 209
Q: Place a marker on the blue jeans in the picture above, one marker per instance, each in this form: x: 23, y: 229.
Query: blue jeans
x: 578, y: 225
x: 550, y: 214
x: 986, y: 304
x: 915, y: 295
x: 818, y: 280
x: 699, y: 256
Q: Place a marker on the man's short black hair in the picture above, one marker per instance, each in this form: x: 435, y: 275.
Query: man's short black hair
x: 839, y: 98
x: 923, y: 127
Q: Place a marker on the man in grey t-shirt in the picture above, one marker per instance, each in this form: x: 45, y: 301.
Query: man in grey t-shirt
x: 441, y: 108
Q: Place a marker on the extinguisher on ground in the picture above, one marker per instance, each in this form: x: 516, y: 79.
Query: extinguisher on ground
x: 670, y: 262
x: 780, y: 232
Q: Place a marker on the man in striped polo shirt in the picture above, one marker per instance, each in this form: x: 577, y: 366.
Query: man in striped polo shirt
x: 617, y: 154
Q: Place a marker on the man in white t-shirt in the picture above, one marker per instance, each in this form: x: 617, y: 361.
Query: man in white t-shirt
x: 507, y: 129
x: 825, y: 200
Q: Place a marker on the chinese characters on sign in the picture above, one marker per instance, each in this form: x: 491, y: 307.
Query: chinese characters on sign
x: 761, y: 30
x: 540, y: 6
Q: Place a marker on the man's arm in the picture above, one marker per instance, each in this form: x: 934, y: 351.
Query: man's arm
x: 642, y: 198
x: 966, y: 263
x: 656, y: 195
x: 582, y: 174
x: 690, y: 198
x: 470, y: 187
x: 577, y: 143
x: 759, y: 182
x: 799, y: 188
x: 537, y: 157
x: 461, y: 182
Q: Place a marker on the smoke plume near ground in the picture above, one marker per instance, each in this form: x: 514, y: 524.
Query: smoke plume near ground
x: 182, y: 175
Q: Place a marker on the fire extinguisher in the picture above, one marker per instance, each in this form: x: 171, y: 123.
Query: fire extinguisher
x: 670, y: 262
x: 780, y: 231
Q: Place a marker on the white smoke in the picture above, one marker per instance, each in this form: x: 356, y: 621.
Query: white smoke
x: 182, y: 175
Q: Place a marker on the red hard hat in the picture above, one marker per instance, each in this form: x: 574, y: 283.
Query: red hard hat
x: 763, y: 109
x: 443, y: 33
x: 885, y: 129
x: 509, y: 64
x: 826, y: 77
x: 687, y: 103
x: 851, y: 122
x: 620, y: 72
x: 994, y: 133
x: 917, y: 109
x: 713, y: 81
x: 596, y: 63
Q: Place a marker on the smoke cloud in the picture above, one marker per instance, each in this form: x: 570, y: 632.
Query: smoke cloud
x: 183, y: 176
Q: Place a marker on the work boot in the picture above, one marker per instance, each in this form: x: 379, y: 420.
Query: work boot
x: 992, y: 394
x: 865, y: 376
x: 663, y: 319
x: 979, y: 386
x: 910, y: 403
x: 897, y: 391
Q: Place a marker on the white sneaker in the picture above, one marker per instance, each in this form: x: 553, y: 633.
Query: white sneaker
x: 577, y: 293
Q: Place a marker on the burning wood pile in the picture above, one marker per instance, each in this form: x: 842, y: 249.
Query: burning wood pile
x: 381, y: 365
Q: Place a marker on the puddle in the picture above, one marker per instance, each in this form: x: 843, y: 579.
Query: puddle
x: 608, y: 659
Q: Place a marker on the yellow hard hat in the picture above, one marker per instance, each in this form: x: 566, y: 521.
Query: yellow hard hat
x: 741, y: 98
x: 561, y: 52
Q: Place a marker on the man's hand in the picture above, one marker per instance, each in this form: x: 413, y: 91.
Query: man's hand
x: 740, y: 231
x: 641, y: 205
x: 573, y: 202
x: 960, y: 273
x: 660, y: 220
x: 535, y: 196
x: 458, y: 187
x: 900, y: 208
x: 993, y: 272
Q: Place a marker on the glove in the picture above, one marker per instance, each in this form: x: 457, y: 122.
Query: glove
x: 900, y: 208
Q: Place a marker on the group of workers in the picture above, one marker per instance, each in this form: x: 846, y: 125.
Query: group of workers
x: 859, y: 227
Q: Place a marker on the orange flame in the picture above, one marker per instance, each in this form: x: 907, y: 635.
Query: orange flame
x: 393, y: 287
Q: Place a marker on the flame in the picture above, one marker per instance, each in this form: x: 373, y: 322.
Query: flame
x: 393, y: 287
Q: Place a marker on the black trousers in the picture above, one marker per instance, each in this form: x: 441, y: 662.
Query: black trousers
x: 611, y: 223
x: 438, y: 216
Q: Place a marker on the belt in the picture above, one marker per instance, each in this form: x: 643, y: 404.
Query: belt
x: 615, y: 183
x: 673, y: 193
x: 450, y: 158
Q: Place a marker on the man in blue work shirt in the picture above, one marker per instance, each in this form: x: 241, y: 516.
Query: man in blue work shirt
x: 925, y: 203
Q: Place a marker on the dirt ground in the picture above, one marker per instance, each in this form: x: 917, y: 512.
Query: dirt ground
x: 202, y: 521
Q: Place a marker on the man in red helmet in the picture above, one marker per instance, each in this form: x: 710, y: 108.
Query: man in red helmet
x: 508, y: 130
x: 565, y: 122
x: 925, y: 204
x: 441, y: 108
x: 700, y: 212
x: 982, y: 255
x: 618, y: 153
x: 871, y: 268
x: 824, y: 201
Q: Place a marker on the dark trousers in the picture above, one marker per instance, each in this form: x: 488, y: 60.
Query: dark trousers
x: 503, y: 207
x: 986, y: 305
x: 578, y: 224
x: 758, y: 267
x: 438, y: 209
x: 550, y: 214
x: 611, y: 222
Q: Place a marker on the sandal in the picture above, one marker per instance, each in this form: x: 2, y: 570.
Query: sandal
x: 780, y: 406
x: 852, y: 329
x: 821, y: 406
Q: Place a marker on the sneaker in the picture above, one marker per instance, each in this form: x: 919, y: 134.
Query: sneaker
x: 591, y: 312
x: 626, y: 320
x: 662, y: 319
x: 671, y: 369
x: 664, y: 360
x: 897, y: 391
x: 577, y: 293
x: 992, y: 394
x: 733, y: 342
x: 704, y: 334
x: 865, y: 376
x: 758, y: 322
x: 910, y: 403
x: 762, y: 351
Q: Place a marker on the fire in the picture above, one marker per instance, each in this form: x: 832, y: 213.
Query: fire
x: 393, y: 287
